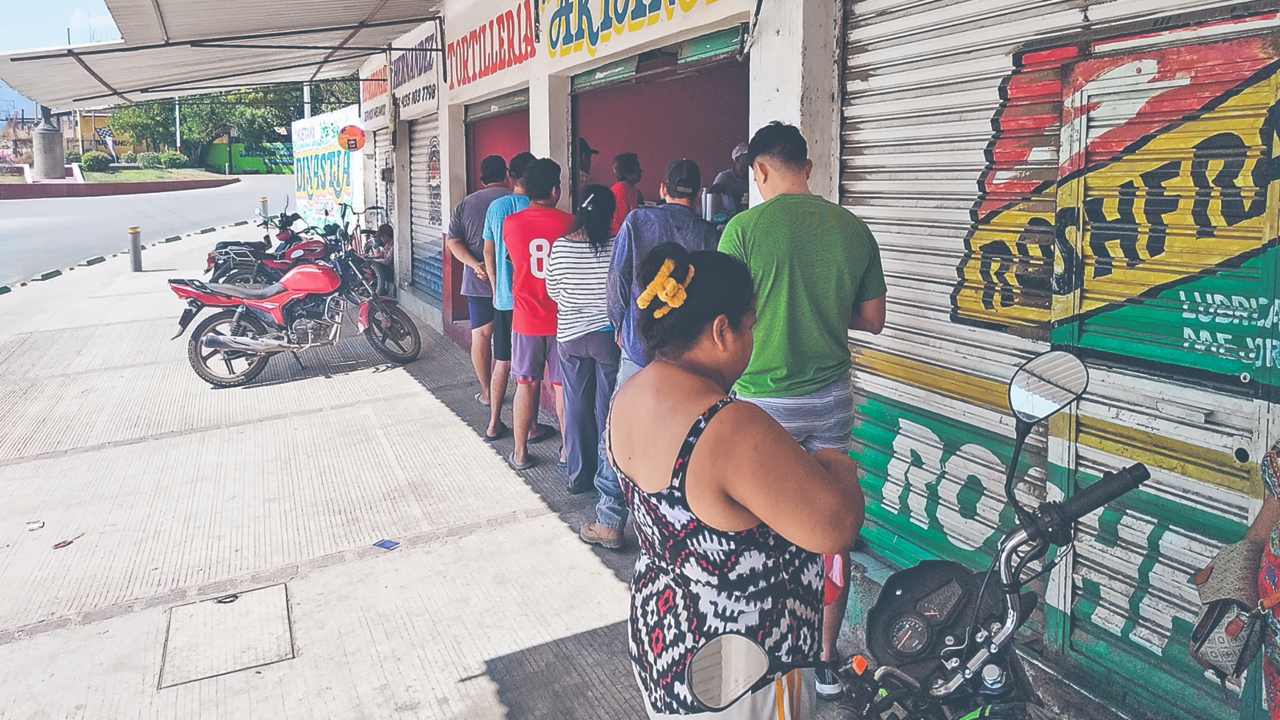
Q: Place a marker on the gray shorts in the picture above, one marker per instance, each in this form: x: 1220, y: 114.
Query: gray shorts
x: 530, y: 354
x: 821, y: 419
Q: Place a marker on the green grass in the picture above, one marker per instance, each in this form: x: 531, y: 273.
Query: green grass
x: 7, y: 178
x: 146, y: 175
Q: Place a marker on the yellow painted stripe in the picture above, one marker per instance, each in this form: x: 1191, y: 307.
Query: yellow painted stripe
x: 943, y: 381
x: 1212, y: 467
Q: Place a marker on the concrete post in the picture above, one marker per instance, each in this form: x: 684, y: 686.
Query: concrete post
x: 46, y: 144
x: 799, y: 83
x: 135, y: 249
x: 262, y: 202
x: 551, y: 128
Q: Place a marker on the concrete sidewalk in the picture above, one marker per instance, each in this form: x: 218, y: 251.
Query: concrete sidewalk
x: 270, y: 497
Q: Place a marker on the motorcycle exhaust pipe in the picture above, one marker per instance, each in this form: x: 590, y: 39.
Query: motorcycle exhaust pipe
x: 255, y: 345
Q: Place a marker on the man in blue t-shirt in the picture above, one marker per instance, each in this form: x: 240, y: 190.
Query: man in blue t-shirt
x: 498, y: 267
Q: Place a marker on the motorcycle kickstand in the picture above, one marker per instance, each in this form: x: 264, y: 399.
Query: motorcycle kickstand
x: 297, y: 359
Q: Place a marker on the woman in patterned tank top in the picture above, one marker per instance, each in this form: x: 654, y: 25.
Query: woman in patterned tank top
x: 732, y: 514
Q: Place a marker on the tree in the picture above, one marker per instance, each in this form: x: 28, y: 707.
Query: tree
x: 254, y: 117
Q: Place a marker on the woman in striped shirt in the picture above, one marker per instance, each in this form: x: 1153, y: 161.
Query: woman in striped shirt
x: 577, y: 272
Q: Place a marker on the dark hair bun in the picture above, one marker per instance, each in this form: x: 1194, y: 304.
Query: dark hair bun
x: 719, y: 284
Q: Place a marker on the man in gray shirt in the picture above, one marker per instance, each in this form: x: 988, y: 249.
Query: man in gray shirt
x: 466, y: 241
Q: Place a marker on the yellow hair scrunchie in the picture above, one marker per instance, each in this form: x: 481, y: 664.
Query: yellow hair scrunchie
x: 650, y: 292
x: 672, y: 293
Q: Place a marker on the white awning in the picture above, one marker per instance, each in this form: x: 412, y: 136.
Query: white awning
x: 183, y: 47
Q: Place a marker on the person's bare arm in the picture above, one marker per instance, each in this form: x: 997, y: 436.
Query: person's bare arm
x: 464, y: 256
x: 869, y: 316
x: 491, y: 265
x: 813, y: 501
x: 1268, y: 518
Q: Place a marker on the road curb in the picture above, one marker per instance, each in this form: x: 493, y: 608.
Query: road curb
x: 172, y: 238
x: 92, y: 261
x: 46, y: 275
x: 5, y: 289
x: 206, y: 230
x: 238, y: 224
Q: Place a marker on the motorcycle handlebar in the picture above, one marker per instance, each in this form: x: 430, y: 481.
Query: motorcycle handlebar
x: 1109, y: 488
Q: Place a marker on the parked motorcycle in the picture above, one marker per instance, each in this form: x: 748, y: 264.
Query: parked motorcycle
x: 255, y: 263
x: 305, y: 309
x: 940, y: 636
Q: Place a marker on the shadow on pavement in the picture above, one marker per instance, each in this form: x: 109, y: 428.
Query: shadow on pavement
x: 587, y: 668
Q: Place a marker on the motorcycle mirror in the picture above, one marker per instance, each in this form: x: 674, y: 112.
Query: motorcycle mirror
x: 725, y: 669
x: 257, y: 211
x: 1046, y: 384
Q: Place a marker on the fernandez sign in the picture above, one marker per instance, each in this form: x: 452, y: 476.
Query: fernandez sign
x: 415, y: 76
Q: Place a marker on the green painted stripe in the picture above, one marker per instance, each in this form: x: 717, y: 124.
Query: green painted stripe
x: 5, y: 289
x: 207, y: 230
x: 92, y: 261
x: 46, y: 275
x: 172, y: 238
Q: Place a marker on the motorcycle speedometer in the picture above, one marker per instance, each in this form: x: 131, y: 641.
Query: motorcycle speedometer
x: 910, y: 636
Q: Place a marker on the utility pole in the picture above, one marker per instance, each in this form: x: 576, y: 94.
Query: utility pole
x: 177, y: 125
x: 306, y: 100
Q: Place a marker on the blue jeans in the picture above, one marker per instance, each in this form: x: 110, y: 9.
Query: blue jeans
x: 588, y: 365
x: 611, y: 508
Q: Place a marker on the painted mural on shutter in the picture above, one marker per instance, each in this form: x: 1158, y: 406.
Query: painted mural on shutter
x: 1107, y: 191
x: 426, y: 205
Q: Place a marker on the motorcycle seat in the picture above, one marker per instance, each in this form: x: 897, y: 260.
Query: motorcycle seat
x: 245, y: 292
x: 252, y: 245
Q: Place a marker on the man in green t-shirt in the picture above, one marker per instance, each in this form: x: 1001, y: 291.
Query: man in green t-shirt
x: 817, y: 275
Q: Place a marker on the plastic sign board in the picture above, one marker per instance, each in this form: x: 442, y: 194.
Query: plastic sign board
x: 323, y: 168
x: 415, y: 75
x: 375, y: 112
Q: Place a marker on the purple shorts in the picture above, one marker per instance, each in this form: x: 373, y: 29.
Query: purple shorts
x: 530, y: 354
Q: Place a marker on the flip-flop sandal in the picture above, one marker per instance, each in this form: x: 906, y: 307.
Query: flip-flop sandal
x: 528, y: 462
x: 481, y: 401
x: 544, y: 432
x: 502, y: 431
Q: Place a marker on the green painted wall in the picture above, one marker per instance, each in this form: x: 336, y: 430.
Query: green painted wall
x: 275, y: 158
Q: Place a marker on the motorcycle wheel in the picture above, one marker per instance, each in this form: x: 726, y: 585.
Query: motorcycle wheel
x: 226, y: 368
x: 393, y: 334
x: 243, y: 277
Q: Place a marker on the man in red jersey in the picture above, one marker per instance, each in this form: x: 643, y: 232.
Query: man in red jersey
x: 528, y: 236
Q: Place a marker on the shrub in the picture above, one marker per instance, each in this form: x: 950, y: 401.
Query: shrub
x: 95, y: 161
x: 173, y: 160
x: 128, y: 157
x: 73, y: 156
x: 149, y: 160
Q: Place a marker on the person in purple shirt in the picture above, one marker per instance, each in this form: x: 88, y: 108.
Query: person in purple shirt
x: 465, y: 241
x: 644, y: 229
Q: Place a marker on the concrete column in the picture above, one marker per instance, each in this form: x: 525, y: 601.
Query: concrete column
x: 795, y: 78
x: 402, y: 220
x: 46, y: 145
x: 551, y: 126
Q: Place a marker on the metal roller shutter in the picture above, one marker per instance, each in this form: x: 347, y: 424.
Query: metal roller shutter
x: 426, y: 203
x: 983, y: 142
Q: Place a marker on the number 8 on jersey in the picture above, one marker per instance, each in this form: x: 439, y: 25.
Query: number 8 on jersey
x: 539, y: 252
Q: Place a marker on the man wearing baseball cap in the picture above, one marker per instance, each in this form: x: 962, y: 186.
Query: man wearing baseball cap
x: 644, y: 229
x: 734, y: 182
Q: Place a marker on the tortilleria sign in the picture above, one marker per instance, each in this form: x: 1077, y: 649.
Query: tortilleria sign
x: 504, y: 41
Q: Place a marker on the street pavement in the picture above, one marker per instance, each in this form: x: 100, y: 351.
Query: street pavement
x: 56, y: 233
x: 221, y: 562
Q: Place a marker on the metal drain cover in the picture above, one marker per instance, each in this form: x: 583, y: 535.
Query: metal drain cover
x: 236, y: 632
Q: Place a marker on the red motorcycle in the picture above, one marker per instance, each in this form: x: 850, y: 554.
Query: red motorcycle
x: 255, y: 263
x: 305, y: 309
